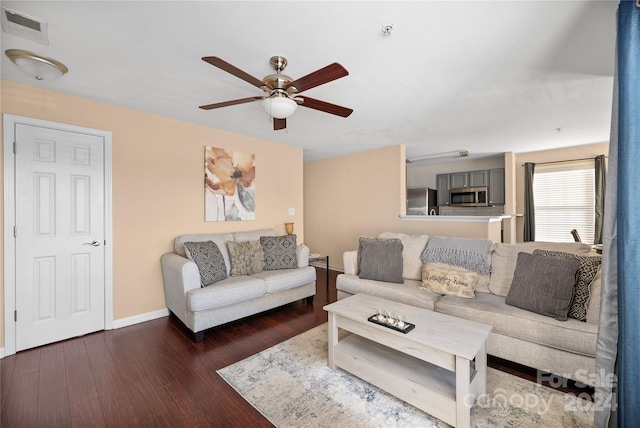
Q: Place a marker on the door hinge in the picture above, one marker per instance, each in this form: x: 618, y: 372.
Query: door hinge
x: 15, y: 316
x: 15, y: 148
x: 15, y: 232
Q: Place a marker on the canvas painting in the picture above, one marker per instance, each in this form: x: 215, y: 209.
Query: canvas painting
x: 229, y: 185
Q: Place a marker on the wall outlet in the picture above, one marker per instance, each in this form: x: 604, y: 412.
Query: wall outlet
x: 292, y: 211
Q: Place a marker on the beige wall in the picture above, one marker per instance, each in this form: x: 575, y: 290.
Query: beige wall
x: 158, y: 185
x: 362, y: 195
x: 554, y: 155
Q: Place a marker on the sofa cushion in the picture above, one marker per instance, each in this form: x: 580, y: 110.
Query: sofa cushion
x: 253, y: 235
x: 380, y: 259
x: 412, y: 248
x: 407, y: 292
x: 208, y: 258
x: 504, y: 257
x: 448, y: 279
x: 246, y: 257
x: 226, y: 292
x: 279, y: 252
x: 593, y: 308
x: 570, y: 335
x: 587, y: 271
x: 543, y: 285
x: 285, y: 279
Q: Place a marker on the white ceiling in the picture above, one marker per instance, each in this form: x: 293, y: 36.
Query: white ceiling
x: 487, y: 76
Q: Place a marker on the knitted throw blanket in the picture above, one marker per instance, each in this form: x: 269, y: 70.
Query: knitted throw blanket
x: 472, y: 254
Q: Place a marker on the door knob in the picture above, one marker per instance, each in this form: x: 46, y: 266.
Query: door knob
x: 92, y: 243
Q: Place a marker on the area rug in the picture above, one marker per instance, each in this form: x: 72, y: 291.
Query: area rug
x: 292, y: 386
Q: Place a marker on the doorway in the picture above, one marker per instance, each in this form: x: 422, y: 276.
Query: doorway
x: 57, y: 210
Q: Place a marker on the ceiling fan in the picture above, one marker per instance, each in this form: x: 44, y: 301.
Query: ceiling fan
x: 280, y: 99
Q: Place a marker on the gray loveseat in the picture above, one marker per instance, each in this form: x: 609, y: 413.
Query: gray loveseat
x: 565, y: 348
x: 235, y: 297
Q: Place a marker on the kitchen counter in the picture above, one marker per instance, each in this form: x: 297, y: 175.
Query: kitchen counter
x: 456, y: 218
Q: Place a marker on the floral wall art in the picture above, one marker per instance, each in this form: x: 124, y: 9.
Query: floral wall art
x: 229, y: 183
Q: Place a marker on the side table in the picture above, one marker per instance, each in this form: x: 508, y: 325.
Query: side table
x: 319, y: 258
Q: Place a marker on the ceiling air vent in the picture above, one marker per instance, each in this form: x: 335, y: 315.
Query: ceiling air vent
x: 24, y: 26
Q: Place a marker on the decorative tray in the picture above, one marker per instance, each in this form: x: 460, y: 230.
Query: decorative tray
x: 404, y: 329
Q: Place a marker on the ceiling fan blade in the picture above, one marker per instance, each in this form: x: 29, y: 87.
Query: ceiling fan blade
x: 325, y: 107
x: 319, y: 77
x: 279, y: 124
x: 223, y: 65
x: 230, y: 103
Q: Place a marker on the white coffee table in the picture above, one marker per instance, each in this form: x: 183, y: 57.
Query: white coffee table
x: 439, y: 367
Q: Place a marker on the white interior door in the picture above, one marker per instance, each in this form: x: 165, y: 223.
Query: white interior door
x: 60, y: 235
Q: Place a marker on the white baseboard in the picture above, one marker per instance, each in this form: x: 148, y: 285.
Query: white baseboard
x: 136, y: 319
x: 1, y: 353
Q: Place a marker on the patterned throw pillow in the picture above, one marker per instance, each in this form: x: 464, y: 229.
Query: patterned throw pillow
x: 586, y: 274
x: 246, y: 257
x: 380, y: 259
x: 279, y: 252
x: 208, y: 258
x: 448, y: 279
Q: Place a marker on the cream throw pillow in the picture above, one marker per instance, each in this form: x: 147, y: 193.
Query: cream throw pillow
x: 412, y: 248
x: 443, y: 278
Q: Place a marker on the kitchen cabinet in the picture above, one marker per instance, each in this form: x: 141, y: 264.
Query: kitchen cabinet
x: 492, y: 178
x: 478, y: 178
x: 443, y: 185
x: 458, y: 179
x: 496, y: 186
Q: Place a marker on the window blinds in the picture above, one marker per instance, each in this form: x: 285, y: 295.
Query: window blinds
x: 564, y: 199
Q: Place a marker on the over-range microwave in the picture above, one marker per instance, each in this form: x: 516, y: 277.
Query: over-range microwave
x: 468, y: 197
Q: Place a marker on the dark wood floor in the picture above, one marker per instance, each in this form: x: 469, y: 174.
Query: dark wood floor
x: 151, y: 374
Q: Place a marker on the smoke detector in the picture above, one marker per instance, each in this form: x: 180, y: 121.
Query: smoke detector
x: 24, y: 26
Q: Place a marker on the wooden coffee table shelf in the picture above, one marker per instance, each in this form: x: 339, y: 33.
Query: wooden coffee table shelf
x: 439, y: 367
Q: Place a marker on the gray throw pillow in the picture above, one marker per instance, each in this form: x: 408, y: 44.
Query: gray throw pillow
x: 246, y: 257
x: 543, y: 285
x: 208, y: 258
x: 587, y: 272
x: 279, y: 252
x: 380, y: 259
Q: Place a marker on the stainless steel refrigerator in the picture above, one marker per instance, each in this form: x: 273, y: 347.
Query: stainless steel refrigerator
x: 422, y: 201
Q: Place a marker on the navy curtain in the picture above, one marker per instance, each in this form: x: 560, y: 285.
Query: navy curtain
x: 628, y: 210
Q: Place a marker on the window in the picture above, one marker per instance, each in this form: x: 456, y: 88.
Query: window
x: 564, y: 199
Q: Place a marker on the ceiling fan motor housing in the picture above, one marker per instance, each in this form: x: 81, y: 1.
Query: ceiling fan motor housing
x: 278, y: 80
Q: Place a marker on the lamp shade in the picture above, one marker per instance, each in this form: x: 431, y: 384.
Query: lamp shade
x: 279, y: 106
x: 39, y: 67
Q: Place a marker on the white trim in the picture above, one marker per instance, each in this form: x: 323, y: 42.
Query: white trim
x: 1, y: 353
x: 456, y: 218
x: 137, y: 319
x: 9, y: 124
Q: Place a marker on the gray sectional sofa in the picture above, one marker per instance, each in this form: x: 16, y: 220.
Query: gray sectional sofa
x: 235, y: 297
x: 565, y: 348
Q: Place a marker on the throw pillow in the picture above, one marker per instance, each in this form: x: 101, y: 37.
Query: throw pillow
x: 412, y: 248
x: 208, y: 258
x: 543, y: 285
x: 448, y: 279
x: 587, y: 271
x: 380, y: 259
x: 246, y: 257
x: 279, y: 252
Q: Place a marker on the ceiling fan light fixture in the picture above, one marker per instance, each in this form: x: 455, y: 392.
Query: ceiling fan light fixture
x: 279, y: 106
x: 37, y: 66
